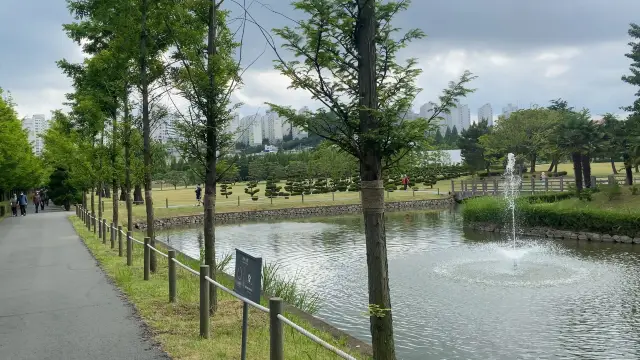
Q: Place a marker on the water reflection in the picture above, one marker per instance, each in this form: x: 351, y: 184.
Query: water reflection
x: 455, y: 293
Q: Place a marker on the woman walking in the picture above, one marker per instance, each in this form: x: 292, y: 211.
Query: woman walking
x: 36, y: 200
x: 14, y: 205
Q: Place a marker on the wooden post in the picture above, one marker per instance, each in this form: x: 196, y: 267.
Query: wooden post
x: 113, y: 236
x: 99, y: 228
x: 204, y: 302
x: 120, y: 240
x: 166, y: 200
x: 238, y: 200
x: 594, y: 184
x: 546, y: 184
x: 276, y: 343
x: 533, y: 185
x: 172, y: 276
x: 484, y: 186
x: 129, y: 249
x: 453, y: 186
x: 104, y: 231
x: 561, y: 183
x: 495, y: 187
x: 147, y: 258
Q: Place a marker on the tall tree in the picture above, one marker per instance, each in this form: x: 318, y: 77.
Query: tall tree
x: 355, y: 42
x: 206, y: 80
x: 471, y: 150
x: 633, y: 79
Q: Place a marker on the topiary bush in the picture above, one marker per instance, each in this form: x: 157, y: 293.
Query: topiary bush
x: 225, y: 190
x: 252, y: 190
x: 271, y: 189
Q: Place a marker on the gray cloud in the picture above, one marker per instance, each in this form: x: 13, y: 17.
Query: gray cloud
x: 498, y: 40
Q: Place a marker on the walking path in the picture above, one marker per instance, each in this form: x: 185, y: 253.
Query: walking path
x: 55, y: 303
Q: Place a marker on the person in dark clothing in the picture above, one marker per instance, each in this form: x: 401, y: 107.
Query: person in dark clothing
x: 36, y: 201
x: 198, y: 195
x: 22, y: 201
x: 14, y: 205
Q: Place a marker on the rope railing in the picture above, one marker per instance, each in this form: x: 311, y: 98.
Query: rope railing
x: 275, y: 304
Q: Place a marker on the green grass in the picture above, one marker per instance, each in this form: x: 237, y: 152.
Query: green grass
x: 176, y: 326
x: 182, y: 201
x: 619, y: 215
x: 597, y: 169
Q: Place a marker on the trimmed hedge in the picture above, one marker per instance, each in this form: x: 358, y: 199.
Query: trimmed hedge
x: 543, y: 213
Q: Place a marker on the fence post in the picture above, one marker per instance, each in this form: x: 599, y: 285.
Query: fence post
x: 129, y: 249
x: 533, y: 185
x: 484, y: 186
x: 414, y: 192
x: 333, y: 196
x: 546, y: 184
x: 238, y: 200
x: 99, y: 228
x: 612, y: 180
x: 120, y: 240
x: 147, y: 258
x: 302, y: 197
x: 113, y: 235
x: 593, y: 182
x: 495, y: 187
x: 271, y: 199
x: 104, y: 231
x: 172, y: 276
x: 276, y: 346
x: 167, y: 202
x: 204, y: 301
x: 103, y: 206
x: 453, y: 186
x: 95, y: 224
x: 561, y: 183
x: 473, y: 187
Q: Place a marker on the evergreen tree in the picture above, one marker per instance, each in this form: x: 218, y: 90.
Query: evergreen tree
x: 471, y: 150
x: 438, y: 137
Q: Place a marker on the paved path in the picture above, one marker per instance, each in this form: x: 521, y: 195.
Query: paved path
x: 55, y: 303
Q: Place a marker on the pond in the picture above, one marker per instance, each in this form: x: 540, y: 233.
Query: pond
x: 457, y: 294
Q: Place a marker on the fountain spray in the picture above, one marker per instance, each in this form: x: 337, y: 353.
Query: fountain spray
x: 511, y: 190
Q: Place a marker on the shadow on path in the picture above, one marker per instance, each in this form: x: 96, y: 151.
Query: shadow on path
x: 55, y: 303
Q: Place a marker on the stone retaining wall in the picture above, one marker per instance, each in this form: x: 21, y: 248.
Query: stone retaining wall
x: 288, y: 213
x: 557, y: 234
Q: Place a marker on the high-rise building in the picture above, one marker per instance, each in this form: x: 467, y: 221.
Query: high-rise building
x: 250, y: 130
x: 461, y: 116
x: 272, y: 127
x: 165, y: 130
x: 35, y: 126
x: 486, y: 112
x: 507, y: 110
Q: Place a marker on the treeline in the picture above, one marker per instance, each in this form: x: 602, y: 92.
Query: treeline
x: 20, y: 169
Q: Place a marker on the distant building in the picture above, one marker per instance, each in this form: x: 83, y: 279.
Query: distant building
x: 35, y: 126
x: 508, y: 110
x: 486, y: 112
x: 459, y: 116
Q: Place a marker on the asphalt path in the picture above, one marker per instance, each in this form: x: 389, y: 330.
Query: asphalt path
x: 56, y: 303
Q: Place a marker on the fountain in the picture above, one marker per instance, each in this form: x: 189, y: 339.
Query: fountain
x: 511, y: 191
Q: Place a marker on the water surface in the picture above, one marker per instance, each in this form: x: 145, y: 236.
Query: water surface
x: 457, y: 294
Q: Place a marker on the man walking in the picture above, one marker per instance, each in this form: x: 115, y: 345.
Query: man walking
x: 14, y: 205
x: 36, y: 201
x: 22, y: 201
x: 198, y: 195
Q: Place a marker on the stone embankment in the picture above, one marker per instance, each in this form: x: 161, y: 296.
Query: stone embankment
x: 558, y: 234
x: 288, y: 213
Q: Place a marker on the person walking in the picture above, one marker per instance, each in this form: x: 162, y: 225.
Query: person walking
x: 22, y: 202
x: 198, y: 195
x: 14, y: 205
x: 42, y: 197
x: 36, y: 201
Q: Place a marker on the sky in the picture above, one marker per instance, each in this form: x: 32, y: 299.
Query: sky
x: 523, y: 52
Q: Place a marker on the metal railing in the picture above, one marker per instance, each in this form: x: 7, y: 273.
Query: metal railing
x: 275, y: 309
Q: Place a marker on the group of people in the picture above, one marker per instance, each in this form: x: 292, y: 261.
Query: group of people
x: 40, y: 199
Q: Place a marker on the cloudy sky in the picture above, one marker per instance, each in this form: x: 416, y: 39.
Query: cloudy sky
x: 524, y: 52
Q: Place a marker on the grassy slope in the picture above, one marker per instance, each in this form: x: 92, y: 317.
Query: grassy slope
x: 176, y: 326
x: 597, y: 169
x: 182, y: 201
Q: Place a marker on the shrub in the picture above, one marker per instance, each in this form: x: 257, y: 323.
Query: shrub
x: 613, y: 191
x: 634, y: 190
x: 549, y: 197
x: 271, y: 189
x: 252, y: 189
x: 225, y: 190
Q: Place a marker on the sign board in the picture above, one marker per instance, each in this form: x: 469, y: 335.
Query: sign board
x: 248, y: 276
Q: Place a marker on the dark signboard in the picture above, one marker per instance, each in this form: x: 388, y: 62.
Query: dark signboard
x: 248, y: 276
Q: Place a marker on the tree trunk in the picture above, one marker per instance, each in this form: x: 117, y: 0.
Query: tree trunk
x: 586, y: 170
x: 553, y: 162
x: 114, y: 168
x: 372, y: 187
x: 107, y: 191
x: 84, y: 199
x: 127, y: 159
x: 93, y: 202
x: 137, y: 195
x: 210, y: 170
x: 613, y: 167
x: 101, y: 184
x: 636, y: 168
x: 534, y: 157
x: 627, y: 169
x: 555, y: 168
x: 577, y: 169
x: 123, y: 193
x: 146, y: 133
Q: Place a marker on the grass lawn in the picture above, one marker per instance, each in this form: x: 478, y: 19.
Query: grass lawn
x: 597, y: 169
x: 176, y: 326
x: 182, y: 200
x: 625, y: 203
